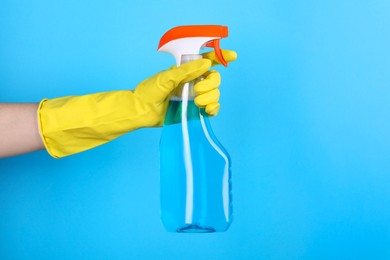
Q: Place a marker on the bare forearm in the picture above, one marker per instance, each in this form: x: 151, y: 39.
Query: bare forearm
x: 19, y: 131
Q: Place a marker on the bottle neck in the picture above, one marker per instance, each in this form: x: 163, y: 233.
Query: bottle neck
x: 185, y: 58
x: 186, y: 91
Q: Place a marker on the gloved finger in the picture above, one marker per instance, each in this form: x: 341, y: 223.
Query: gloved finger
x: 228, y: 55
x: 170, y: 79
x: 212, y: 81
x: 207, y: 98
x: 212, y: 109
x: 159, y: 87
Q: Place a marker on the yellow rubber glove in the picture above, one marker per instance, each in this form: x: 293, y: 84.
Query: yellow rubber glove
x: 73, y: 124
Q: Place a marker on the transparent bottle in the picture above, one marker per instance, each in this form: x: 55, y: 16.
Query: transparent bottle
x: 195, y: 173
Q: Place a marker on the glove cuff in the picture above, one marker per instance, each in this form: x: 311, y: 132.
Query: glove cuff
x: 70, y: 125
x: 41, y: 130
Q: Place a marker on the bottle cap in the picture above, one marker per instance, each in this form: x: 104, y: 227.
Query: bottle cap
x: 185, y: 58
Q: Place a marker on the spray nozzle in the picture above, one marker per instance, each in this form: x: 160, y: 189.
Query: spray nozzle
x: 191, y: 39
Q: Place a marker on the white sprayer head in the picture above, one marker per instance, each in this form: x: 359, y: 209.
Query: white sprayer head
x: 191, y: 39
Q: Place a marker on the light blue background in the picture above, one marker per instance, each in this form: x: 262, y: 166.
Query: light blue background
x: 305, y: 116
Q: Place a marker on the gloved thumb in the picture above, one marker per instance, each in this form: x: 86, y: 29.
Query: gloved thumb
x: 190, y: 71
x: 160, y: 86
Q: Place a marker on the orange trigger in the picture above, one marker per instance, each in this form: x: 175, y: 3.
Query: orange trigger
x: 215, y: 44
x: 210, y: 44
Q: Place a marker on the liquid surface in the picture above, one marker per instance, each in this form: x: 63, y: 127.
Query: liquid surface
x: 195, y: 173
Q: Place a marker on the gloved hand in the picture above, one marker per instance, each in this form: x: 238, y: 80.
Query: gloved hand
x: 73, y: 124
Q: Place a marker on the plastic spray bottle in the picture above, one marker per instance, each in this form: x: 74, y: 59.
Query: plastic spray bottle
x: 195, y: 172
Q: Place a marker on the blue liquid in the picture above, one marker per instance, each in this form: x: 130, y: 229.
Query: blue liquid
x: 195, y: 173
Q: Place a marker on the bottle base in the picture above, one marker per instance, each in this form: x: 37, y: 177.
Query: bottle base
x: 195, y: 229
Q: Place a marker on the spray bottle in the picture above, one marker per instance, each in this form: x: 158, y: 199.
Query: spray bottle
x: 195, y: 172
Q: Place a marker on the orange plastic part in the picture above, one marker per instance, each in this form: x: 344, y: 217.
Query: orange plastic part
x: 215, y: 44
x: 198, y: 31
